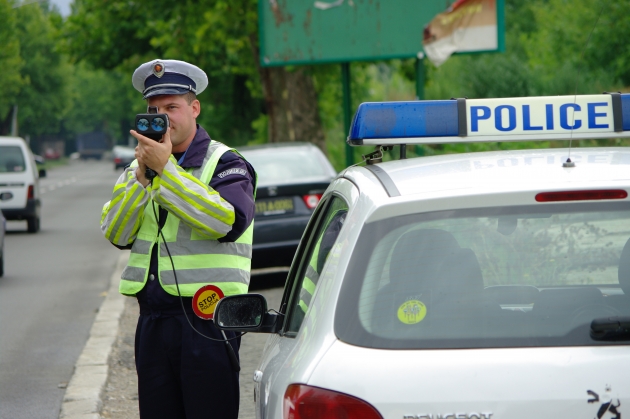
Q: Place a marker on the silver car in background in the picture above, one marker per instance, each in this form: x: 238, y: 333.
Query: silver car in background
x: 291, y: 180
x: 123, y: 156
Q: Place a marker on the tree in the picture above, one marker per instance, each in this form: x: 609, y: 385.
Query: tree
x: 217, y: 35
x: 101, y: 101
x: 564, y: 58
x: 44, y: 99
x: 11, y: 63
x: 608, y: 47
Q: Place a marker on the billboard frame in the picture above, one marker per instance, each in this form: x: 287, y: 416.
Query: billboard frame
x: 265, y: 61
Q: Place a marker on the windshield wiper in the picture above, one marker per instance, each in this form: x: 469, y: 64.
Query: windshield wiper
x: 611, y: 328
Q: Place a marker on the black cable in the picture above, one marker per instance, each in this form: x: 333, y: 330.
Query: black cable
x: 230, y: 350
x: 181, y: 300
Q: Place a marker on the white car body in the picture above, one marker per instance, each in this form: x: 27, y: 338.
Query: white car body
x: 452, y: 384
x: 500, y: 381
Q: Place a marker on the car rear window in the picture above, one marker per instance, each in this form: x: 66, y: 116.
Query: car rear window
x: 11, y: 159
x: 494, y: 277
x: 287, y: 165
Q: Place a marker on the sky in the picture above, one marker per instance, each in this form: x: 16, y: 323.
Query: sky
x: 63, y: 5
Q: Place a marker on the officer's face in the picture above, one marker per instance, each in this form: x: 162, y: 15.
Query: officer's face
x: 182, y: 118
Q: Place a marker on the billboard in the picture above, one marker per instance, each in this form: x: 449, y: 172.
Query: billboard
x: 335, y: 31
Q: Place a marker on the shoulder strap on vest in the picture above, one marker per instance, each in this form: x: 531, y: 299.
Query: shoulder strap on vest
x: 211, y: 163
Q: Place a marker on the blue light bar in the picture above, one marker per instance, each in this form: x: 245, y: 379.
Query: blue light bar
x: 540, y: 118
x: 435, y: 118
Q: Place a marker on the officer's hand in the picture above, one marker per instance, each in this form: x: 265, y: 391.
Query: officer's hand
x: 140, y: 172
x: 151, y: 153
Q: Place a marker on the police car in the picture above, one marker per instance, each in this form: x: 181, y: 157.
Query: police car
x: 472, y: 286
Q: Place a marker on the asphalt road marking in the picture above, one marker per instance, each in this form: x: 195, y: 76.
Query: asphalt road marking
x: 59, y: 184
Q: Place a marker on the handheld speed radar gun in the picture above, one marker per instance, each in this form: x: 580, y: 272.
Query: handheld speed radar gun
x: 152, y: 125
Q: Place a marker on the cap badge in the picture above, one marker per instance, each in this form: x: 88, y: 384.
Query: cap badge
x: 158, y: 69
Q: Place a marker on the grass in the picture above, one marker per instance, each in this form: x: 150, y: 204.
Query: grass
x: 49, y: 164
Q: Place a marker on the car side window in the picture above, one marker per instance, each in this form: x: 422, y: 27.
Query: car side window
x: 313, y: 260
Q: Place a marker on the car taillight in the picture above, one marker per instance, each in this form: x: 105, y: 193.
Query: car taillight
x: 581, y: 195
x: 306, y: 402
x: 31, y: 192
x: 117, y: 160
x: 312, y: 200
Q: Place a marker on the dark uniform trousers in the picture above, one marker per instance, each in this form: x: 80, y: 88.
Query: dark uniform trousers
x: 172, y: 359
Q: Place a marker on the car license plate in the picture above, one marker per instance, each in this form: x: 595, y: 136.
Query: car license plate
x: 274, y: 206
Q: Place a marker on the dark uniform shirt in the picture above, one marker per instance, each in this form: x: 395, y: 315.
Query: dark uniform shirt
x: 236, y: 188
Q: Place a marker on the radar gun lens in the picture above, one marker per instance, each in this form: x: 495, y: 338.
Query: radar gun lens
x: 143, y: 124
x: 158, y: 124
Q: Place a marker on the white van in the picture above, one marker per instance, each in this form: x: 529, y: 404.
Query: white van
x: 19, y: 183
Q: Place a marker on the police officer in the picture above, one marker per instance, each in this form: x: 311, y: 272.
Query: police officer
x: 188, y: 227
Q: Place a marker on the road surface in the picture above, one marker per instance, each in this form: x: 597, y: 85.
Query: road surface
x: 53, y: 284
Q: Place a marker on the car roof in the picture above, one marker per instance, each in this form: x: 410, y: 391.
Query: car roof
x: 274, y: 146
x: 263, y: 155
x: 12, y: 141
x: 497, y: 171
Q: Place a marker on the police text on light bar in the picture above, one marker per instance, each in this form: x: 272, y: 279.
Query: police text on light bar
x: 478, y: 120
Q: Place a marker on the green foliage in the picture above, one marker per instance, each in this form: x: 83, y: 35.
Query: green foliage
x: 561, y: 54
x: 43, y: 101
x: 102, y: 101
x: 107, y: 34
x: 327, y: 80
x: 587, y: 40
x: 609, y: 46
x: 218, y: 36
x: 380, y: 81
x: 260, y: 126
x: 55, y: 99
x: 10, y: 60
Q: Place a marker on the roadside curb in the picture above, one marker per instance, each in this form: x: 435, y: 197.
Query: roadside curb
x: 82, y: 398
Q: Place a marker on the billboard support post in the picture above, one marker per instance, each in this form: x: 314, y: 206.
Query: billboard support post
x: 419, y: 89
x: 420, y: 76
x: 347, y: 109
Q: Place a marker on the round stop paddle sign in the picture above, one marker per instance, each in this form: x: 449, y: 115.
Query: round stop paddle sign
x: 205, y: 300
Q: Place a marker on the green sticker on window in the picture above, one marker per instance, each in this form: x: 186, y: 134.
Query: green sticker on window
x: 412, y: 312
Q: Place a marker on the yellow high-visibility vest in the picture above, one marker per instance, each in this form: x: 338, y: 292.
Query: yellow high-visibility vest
x: 198, y: 260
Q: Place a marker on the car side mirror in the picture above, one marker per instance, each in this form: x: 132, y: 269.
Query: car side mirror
x: 42, y: 172
x: 246, y: 313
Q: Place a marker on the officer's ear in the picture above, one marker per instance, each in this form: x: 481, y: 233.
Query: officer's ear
x: 196, y: 105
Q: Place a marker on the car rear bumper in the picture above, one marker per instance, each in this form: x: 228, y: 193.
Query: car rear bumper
x: 31, y: 210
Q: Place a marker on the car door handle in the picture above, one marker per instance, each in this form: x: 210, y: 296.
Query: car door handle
x: 258, y: 376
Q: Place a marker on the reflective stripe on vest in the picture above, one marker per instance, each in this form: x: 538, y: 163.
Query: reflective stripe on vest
x: 198, y: 261
x: 311, y: 276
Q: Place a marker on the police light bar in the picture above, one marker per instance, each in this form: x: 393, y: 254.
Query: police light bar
x: 540, y: 118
